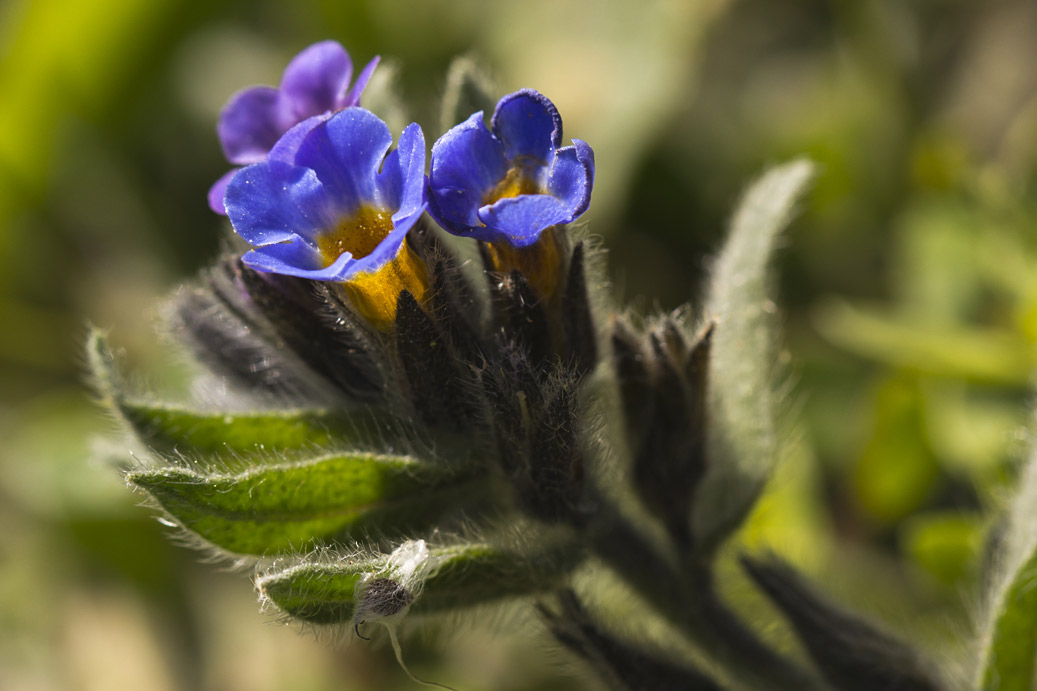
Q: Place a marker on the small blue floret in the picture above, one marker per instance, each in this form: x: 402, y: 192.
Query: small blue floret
x: 511, y: 183
x: 327, y: 203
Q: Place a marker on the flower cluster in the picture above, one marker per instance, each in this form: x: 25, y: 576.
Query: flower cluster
x: 321, y: 199
x: 401, y: 440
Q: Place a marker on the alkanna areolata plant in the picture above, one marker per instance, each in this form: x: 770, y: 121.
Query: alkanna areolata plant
x: 406, y: 434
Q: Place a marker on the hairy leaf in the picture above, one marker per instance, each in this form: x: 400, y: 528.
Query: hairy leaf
x: 1008, y: 639
x: 742, y: 434
x: 458, y: 576
x: 231, y: 437
x: 280, y: 508
x: 173, y: 430
x: 1010, y: 654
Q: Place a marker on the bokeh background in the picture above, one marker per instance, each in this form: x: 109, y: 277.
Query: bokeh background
x: 908, y: 285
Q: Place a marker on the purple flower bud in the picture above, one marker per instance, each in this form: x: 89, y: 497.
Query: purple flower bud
x: 315, y: 84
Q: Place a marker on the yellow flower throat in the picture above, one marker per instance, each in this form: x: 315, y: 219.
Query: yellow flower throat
x: 374, y: 293
x: 359, y: 234
x: 517, y: 181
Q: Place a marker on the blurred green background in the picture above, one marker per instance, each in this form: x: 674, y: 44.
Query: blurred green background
x: 908, y: 285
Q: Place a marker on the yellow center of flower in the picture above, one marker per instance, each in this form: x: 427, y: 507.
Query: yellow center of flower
x: 359, y: 234
x: 542, y: 263
x: 519, y: 180
x: 374, y: 293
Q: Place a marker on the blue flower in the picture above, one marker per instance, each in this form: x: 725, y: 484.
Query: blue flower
x: 315, y: 83
x: 510, y: 184
x: 328, y: 204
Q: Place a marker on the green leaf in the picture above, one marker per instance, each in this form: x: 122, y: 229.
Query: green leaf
x: 289, y: 507
x: 102, y: 366
x: 179, y: 432
x: 455, y: 577
x: 741, y: 399
x: 230, y: 438
x: 1012, y: 648
x: 1008, y: 639
x: 317, y: 593
x: 469, y: 89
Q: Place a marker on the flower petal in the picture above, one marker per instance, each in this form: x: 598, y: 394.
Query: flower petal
x: 346, y: 153
x: 296, y: 259
x: 272, y: 202
x: 287, y: 146
x: 218, y: 189
x: 401, y: 183
x: 406, y: 219
x: 283, y: 150
x: 249, y: 125
x: 352, y: 97
x: 572, y: 176
x: 315, y: 79
x: 520, y: 219
x: 467, y: 163
x: 529, y: 125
